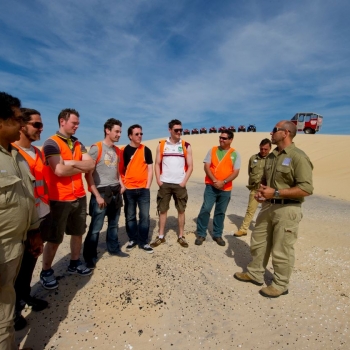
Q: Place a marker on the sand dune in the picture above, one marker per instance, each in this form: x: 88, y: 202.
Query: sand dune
x: 328, y: 153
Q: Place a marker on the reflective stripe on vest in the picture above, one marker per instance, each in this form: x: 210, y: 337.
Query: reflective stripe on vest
x: 221, y: 169
x: 136, y: 173
x: 65, y: 188
x: 36, y: 167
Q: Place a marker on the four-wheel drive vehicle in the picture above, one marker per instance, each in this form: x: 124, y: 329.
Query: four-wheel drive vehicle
x: 186, y: 132
x: 194, y: 131
x: 232, y: 128
x: 212, y: 130
x: 222, y: 128
x: 252, y: 128
x: 241, y: 128
x: 309, y: 122
x: 203, y: 131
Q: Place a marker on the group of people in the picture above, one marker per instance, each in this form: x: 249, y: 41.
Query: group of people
x: 42, y: 197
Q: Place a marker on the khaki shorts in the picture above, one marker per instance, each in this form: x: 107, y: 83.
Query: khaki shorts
x: 166, y: 191
x: 67, y: 217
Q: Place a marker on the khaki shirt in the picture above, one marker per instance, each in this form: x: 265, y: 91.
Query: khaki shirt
x: 290, y: 168
x: 255, y: 171
x: 17, y: 204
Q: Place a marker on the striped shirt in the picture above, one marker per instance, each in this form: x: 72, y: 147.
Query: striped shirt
x: 173, y: 163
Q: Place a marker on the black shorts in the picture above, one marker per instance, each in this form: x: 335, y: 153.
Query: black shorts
x: 67, y: 217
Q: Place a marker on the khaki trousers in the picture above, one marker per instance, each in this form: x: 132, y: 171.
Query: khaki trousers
x: 8, y: 274
x: 275, y: 233
x: 251, y: 209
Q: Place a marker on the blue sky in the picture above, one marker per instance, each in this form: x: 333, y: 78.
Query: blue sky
x: 203, y: 62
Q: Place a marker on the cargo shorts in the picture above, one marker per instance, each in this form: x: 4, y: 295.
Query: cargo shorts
x: 67, y: 217
x: 166, y: 191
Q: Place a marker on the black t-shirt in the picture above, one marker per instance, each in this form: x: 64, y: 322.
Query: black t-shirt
x: 129, y: 152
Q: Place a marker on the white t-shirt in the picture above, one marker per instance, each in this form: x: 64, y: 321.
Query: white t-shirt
x: 173, y: 163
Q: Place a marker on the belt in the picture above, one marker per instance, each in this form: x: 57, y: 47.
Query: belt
x: 283, y: 201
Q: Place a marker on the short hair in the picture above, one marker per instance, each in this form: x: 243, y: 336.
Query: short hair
x: 265, y: 142
x: 229, y: 133
x: 110, y: 123
x: 174, y: 122
x: 28, y: 112
x: 7, y: 102
x: 132, y: 127
x: 65, y: 114
x: 291, y: 127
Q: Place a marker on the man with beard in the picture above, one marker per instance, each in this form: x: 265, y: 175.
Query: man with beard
x: 33, y: 156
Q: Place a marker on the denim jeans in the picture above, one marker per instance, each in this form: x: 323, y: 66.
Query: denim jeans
x: 97, y: 221
x: 221, y: 199
x: 137, y: 232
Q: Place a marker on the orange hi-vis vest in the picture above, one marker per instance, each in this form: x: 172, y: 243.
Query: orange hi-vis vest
x: 99, y: 154
x: 161, y: 151
x: 221, y: 169
x: 136, y: 173
x: 65, y: 188
x: 36, y: 167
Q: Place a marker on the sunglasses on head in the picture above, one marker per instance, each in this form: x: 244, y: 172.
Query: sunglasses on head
x: 278, y: 129
x: 223, y: 138
x: 139, y: 134
x: 178, y: 130
x: 36, y: 125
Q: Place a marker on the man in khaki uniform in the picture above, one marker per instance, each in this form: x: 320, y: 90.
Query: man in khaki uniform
x: 17, y: 214
x: 255, y: 171
x: 286, y: 181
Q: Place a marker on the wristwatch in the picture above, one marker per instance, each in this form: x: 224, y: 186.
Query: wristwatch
x: 225, y: 182
x: 277, y: 194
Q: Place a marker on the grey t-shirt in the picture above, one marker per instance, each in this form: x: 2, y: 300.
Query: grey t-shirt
x: 106, y: 172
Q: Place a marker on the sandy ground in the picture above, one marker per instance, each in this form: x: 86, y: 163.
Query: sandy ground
x: 182, y: 298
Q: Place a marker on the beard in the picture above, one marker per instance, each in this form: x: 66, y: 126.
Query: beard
x: 35, y: 136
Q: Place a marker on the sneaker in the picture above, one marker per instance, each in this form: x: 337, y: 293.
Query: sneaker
x: 90, y: 265
x: 36, y: 304
x: 131, y: 245
x: 120, y: 254
x: 147, y: 248
x: 48, y: 279
x: 219, y: 241
x: 199, y: 240
x: 158, y: 241
x: 182, y: 242
x: 81, y: 270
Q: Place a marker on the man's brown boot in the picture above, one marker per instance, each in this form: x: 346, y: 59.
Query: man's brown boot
x: 243, y: 277
x: 271, y: 292
x: 240, y: 233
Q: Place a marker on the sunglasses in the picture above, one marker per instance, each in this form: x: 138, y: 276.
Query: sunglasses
x: 223, y: 138
x: 278, y: 129
x: 36, y: 125
x: 178, y: 130
x: 139, y: 134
